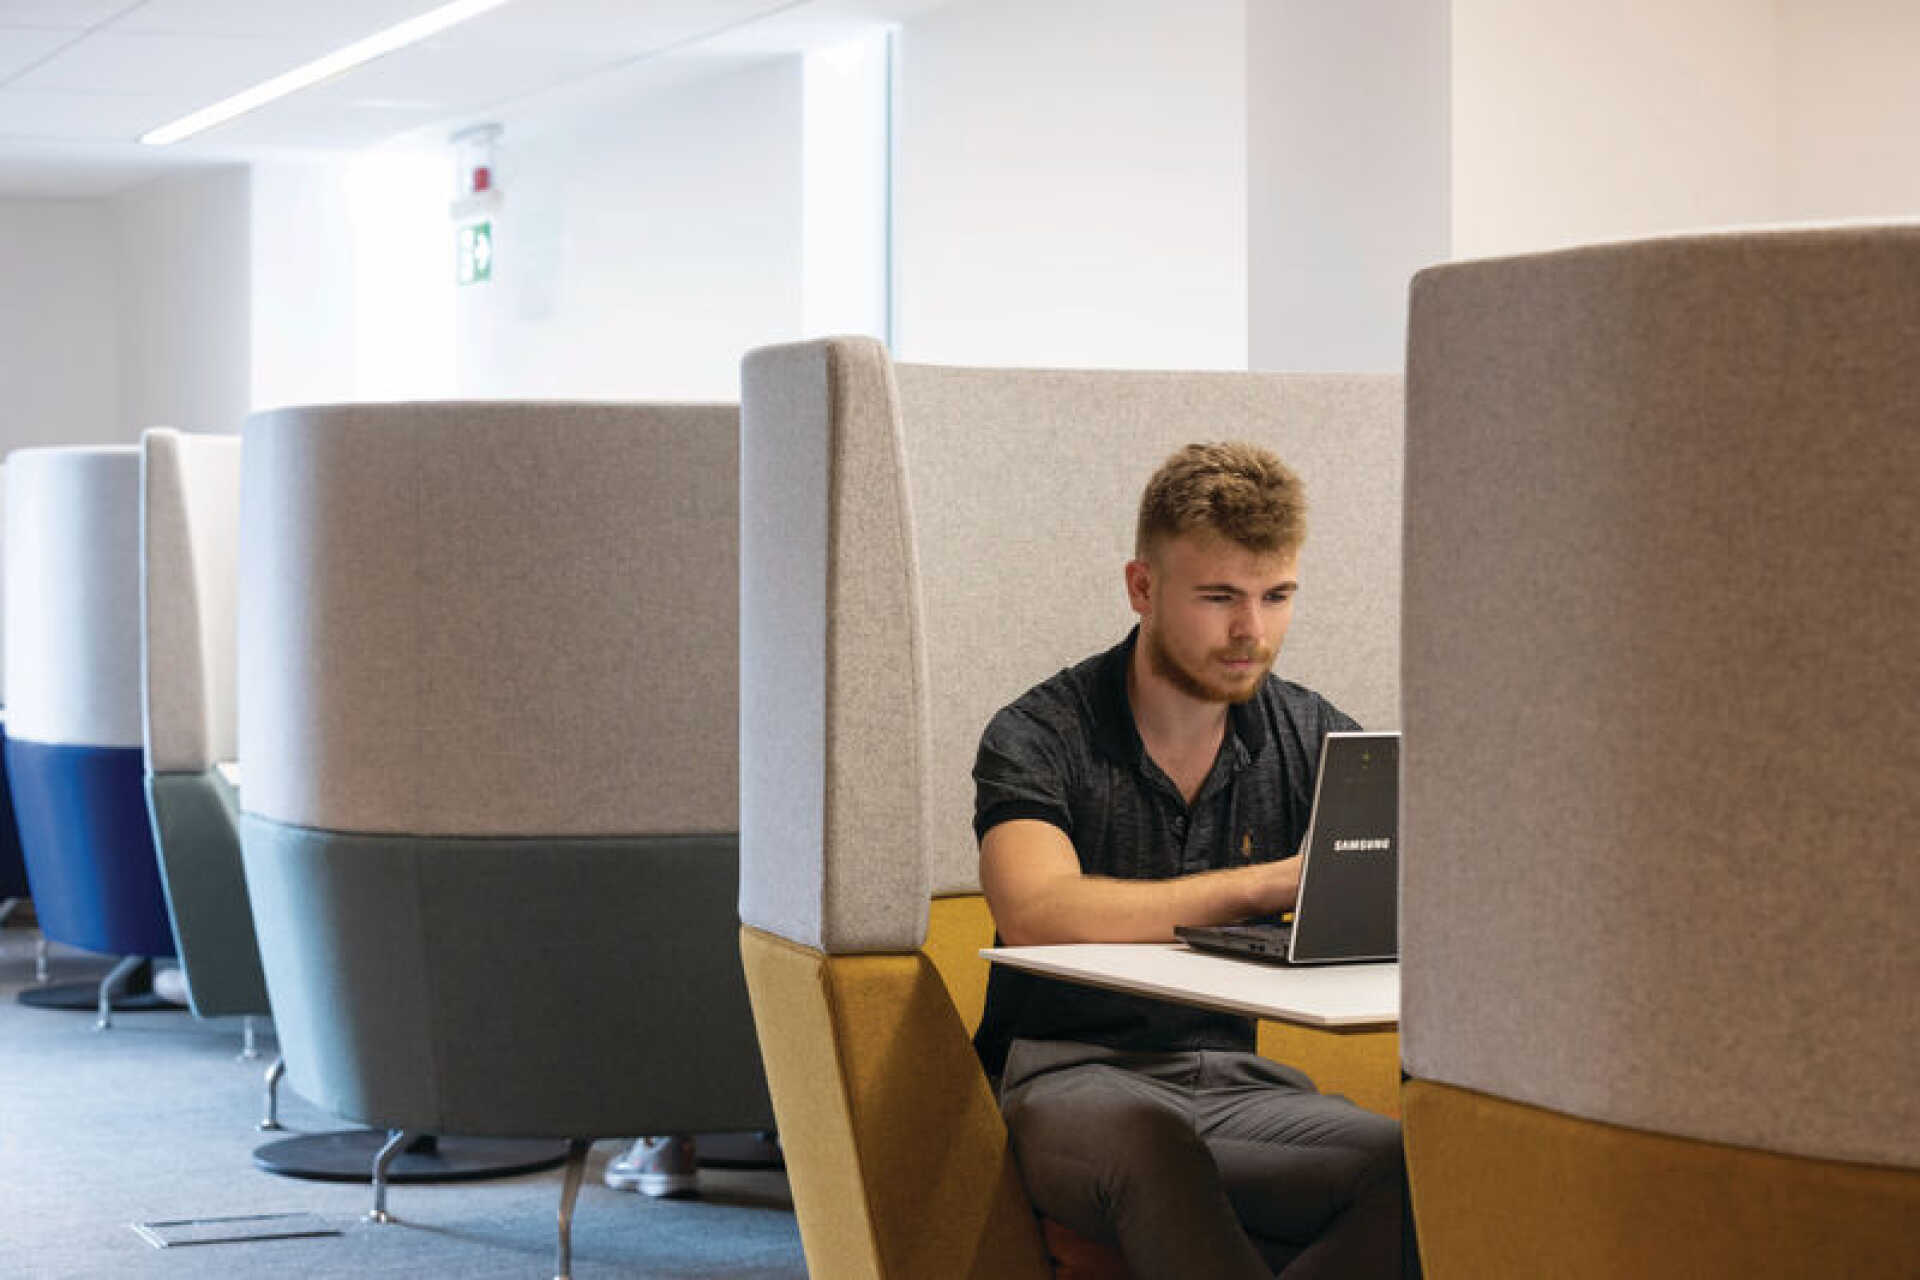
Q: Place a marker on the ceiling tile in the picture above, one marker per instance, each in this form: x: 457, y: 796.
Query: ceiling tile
x: 66, y: 15
x: 616, y: 28
x: 211, y: 66
x: 334, y: 23
x: 40, y: 114
x: 437, y: 72
x: 21, y: 47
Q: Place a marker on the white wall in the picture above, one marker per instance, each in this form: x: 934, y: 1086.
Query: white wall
x: 352, y: 279
x: 1575, y: 121
x: 59, y: 328
x: 1348, y: 176
x: 1071, y: 184
x: 184, y: 271
x: 846, y: 157
x: 644, y: 242
x: 1850, y: 107
x: 302, y: 307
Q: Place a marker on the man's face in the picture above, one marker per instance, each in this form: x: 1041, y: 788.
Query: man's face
x: 1213, y: 613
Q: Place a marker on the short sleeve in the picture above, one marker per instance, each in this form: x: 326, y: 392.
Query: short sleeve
x: 1023, y: 770
x: 1335, y: 720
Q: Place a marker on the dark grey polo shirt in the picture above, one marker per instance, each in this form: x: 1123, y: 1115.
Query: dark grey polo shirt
x: 1068, y: 752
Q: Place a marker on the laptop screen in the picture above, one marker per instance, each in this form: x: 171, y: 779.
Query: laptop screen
x: 1350, y: 878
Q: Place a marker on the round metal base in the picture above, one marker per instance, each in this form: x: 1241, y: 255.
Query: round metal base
x: 86, y: 996
x: 347, y: 1156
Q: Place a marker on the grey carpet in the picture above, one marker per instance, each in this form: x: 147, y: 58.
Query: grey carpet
x: 154, y: 1119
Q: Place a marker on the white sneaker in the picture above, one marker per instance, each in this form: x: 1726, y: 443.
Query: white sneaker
x: 170, y: 984
x: 656, y: 1167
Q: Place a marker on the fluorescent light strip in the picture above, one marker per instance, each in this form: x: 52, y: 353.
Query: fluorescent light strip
x: 376, y: 45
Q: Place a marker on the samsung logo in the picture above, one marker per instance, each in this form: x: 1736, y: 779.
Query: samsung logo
x: 1363, y: 846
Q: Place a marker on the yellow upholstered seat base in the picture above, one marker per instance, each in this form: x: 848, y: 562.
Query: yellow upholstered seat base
x: 895, y: 1148
x: 1506, y: 1190
x: 958, y: 926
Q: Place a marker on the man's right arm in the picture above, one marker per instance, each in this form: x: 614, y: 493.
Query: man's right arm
x: 1038, y: 893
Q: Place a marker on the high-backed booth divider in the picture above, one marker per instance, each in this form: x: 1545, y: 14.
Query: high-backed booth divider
x: 1661, y: 905
x: 488, y: 713
x: 189, y: 548
x: 72, y: 618
x: 920, y: 545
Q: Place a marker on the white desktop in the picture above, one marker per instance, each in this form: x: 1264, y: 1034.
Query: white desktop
x: 1345, y: 997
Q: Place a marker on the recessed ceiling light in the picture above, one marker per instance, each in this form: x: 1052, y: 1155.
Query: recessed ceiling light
x: 376, y: 45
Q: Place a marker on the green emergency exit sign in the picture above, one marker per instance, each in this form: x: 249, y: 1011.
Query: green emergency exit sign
x: 474, y: 250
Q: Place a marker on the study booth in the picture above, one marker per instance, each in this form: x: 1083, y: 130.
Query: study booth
x: 486, y: 691
x: 920, y: 545
x: 73, y: 742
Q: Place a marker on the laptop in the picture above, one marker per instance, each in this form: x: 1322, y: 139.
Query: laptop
x: 1348, y: 908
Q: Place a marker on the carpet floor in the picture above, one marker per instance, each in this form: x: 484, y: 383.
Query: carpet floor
x: 154, y: 1120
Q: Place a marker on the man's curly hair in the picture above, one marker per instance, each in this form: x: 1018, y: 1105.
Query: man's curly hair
x: 1239, y: 491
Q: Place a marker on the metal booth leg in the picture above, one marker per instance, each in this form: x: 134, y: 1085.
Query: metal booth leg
x: 109, y: 985
x: 271, y: 1123
x: 570, y: 1192
x: 396, y: 1139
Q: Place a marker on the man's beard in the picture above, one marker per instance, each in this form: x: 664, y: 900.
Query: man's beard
x: 1161, y: 662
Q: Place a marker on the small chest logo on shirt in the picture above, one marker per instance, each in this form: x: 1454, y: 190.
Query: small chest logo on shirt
x: 1246, y: 847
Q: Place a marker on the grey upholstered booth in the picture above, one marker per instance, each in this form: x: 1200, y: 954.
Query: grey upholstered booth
x: 189, y: 547
x: 1661, y: 902
x: 920, y: 545
x: 488, y: 714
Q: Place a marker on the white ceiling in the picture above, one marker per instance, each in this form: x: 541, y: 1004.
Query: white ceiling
x: 80, y: 80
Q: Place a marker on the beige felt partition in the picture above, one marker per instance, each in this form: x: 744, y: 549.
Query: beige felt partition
x: 1661, y: 640
x: 565, y: 551
x: 189, y: 548
x: 922, y: 544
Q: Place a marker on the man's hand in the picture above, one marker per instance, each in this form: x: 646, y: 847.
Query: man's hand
x: 1038, y: 894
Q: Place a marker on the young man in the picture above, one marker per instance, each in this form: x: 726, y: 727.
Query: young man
x: 1169, y: 781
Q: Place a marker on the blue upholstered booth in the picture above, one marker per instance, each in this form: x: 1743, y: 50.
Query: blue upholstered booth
x: 13, y: 871
x: 73, y: 753
x: 13, y: 868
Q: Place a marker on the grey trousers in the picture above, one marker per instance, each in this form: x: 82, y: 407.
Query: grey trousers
x: 1218, y: 1166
